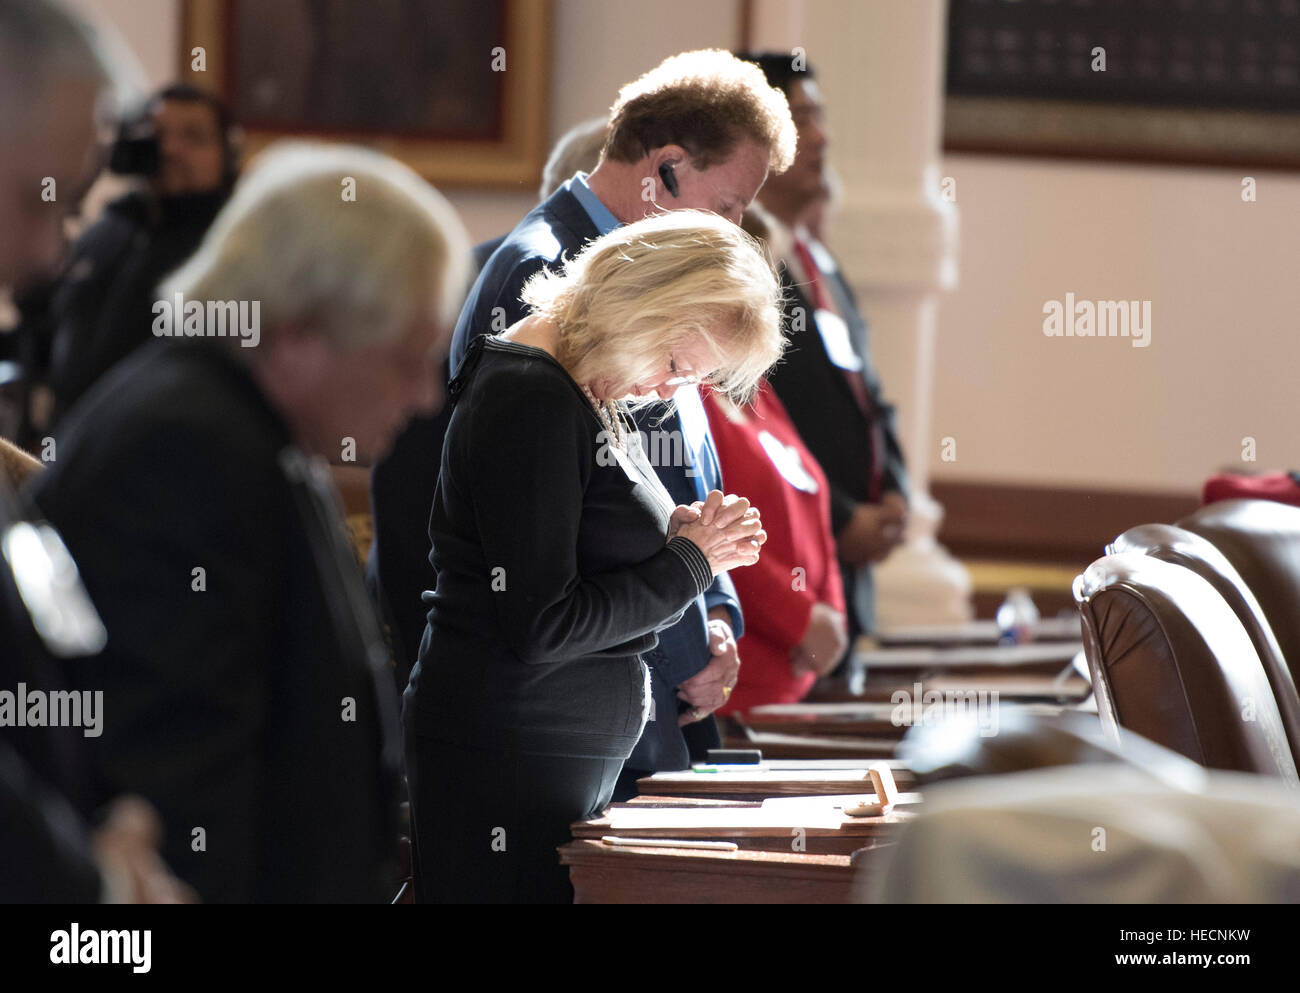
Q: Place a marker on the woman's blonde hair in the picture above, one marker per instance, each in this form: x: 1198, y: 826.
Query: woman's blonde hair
x: 343, y: 240
x: 679, y: 277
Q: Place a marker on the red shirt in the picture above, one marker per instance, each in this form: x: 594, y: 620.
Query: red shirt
x: 764, y: 460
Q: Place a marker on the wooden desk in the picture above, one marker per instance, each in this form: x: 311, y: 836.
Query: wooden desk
x: 605, y: 874
x: 776, y: 745
x: 749, y: 827
x: 1051, y: 656
x: 854, y: 718
x: 1014, y: 687
x: 978, y: 633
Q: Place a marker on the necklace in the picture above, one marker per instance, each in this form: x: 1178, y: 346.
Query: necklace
x: 609, y: 418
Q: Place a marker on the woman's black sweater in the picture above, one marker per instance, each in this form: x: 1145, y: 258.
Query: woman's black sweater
x: 553, y: 567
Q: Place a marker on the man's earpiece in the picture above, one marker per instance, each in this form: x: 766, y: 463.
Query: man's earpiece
x: 669, y: 180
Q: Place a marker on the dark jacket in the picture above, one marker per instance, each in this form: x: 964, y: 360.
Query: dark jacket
x: 245, y: 693
x: 102, y: 308
x: 558, y: 228
x: 553, y: 573
x: 822, y: 405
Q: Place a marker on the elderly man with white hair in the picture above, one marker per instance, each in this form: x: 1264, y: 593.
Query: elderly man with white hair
x: 246, y: 692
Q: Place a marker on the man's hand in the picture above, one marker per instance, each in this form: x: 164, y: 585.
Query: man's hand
x: 872, y: 532
x: 126, y: 848
x: 709, y: 688
x: 823, y: 644
x: 896, y: 504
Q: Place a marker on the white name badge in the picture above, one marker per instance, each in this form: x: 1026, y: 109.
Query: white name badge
x: 695, y: 423
x: 787, y: 462
x: 835, y: 337
x: 822, y: 257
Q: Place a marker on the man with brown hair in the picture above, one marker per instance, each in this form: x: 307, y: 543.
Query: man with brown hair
x: 701, y: 130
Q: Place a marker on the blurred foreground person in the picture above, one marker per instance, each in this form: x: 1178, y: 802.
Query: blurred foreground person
x: 559, y: 553
x: 1099, y: 834
x: 53, y: 74
x: 248, y: 695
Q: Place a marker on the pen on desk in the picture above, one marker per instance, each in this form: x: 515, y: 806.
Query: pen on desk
x: 713, y: 846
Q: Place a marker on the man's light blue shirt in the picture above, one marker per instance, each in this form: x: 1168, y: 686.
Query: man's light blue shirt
x: 690, y: 411
x: 600, y: 216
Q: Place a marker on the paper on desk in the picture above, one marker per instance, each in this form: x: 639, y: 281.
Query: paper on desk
x: 802, y: 806
x: 723, y: 819
x: 973, y: 632
x: 969, y: 657
x: 733, y: 775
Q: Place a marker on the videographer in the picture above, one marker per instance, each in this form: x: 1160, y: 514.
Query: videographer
x: 102, y: 307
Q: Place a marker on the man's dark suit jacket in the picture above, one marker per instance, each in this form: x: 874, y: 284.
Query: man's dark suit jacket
x: 823, y: 407
x: 246, y: 700
x: 552, y: 231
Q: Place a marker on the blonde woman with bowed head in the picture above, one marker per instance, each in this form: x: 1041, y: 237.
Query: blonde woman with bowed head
x: 558, y: 551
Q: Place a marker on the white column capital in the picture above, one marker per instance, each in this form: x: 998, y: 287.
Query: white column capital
x: 891, y: 240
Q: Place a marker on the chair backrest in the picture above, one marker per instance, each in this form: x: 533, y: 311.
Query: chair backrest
x: 1181, y: 547
x: 1261, y: 538
x: 1171, y: 662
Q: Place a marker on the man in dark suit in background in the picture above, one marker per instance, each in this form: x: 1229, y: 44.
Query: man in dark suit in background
x: 826, y: 379
x: 247, y: 694
x: 701, y: 130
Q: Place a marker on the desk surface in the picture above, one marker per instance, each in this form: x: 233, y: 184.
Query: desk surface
x: 607, y: 874
x: 977, y: 633
x: 767, y: 780
x: 962, y: 657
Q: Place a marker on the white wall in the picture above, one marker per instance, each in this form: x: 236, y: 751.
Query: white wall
x: 1223, y: 278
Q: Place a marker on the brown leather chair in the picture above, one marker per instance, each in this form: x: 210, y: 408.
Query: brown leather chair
x: 1181, y: 547
x: 1261, y: 539
x: 1171, y: 662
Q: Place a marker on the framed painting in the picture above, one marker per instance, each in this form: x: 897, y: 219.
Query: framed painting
x: 456, y: 89
x: 1213, y: 82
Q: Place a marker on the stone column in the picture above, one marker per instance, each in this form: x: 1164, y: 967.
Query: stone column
x: 880, y: 65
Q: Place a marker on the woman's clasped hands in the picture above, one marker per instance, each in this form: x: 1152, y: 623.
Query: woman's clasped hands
x: 724, y: 527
